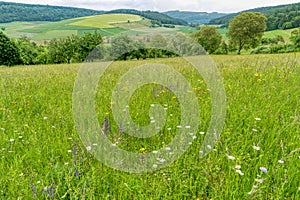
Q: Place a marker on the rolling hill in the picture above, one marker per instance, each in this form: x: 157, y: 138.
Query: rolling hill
x: 152, y: 15
x: 106, y: 24
x: 278, y: 17
x: 10, y: 12
x: 194, y: 17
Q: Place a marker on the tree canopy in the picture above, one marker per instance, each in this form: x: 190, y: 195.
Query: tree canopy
x: 209, y: 38
x: 9, y: 52
x: 10, y: 12
x: 278, y: 17
x: 246, y: 30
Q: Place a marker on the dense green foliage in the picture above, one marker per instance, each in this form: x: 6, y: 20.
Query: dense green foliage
x: 152, y: 15
x: 9, y: 52
x: 278, y: 17
x: 73, y: 48
x: 209, y: 38
x: 295, y: 37
x: 246, y: 30
x: 194, y: 17
x: 10, y: 12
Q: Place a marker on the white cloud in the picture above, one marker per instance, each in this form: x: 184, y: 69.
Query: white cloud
x: 163, y: 5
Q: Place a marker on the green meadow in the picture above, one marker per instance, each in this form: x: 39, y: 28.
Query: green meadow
x: 257, y: 156
x: 107, y: 25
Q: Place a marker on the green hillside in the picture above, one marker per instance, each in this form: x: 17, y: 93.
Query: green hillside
x: 152, y: 15
x: 279, y: 17
x: 194, y: 17
x: 106, y: 24
x: 10, y: 12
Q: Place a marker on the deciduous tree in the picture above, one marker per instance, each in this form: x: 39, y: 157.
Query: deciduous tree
x: 246, y: 30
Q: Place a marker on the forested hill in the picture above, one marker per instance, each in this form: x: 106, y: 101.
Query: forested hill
x: 10, y: 12
x: 279, y: 17
x: 152, y: 15
x: 194, y: 17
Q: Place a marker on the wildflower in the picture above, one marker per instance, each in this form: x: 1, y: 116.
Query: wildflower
x: 76, y: 172
x: 202, y: 133
x: 257, y: 119
x: 114, y: 145
x: 11, y: 140
x: 168, y: 148
x: 254, y: 130
x: 155, y: 152
x: 45, y: 118
x: 121, y: 128
x: 209, y: 146
x: 153, y: 121
x: 106, y: 126
x: 152, y: 105
x: 238, y: 167
x: 263, y: 169
x: 50, y: 192
x: 161, y: 160
x: 169, y: 129
x: 280, y: 161
x: 20, y: 137
x: 239, y: 172
x: 2, y: 129
x: 257, y: 74
x: 53, y: 126
x: 154, y: 166
x: 260, y: 180
x: 179, y: 126
x: 257, y: 148
x: 69, y: 151
x: 187, y: 127
x: 142, y: 149
x: 194, y: 137
x: 230, y: 157
x: 94, y: 144
x: 88, y: 148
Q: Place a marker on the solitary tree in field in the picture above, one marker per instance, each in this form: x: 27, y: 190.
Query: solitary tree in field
x: 9, y: 52
x: 209, y: 38
x: 246, y: 30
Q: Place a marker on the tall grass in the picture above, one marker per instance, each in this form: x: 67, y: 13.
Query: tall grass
x: 42, y: 156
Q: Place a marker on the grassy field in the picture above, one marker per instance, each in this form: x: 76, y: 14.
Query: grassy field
x: 106, y: 20
x: 257, y: 156
x: 107, y: 25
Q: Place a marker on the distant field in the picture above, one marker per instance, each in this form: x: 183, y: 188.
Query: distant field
x: 106, y: 20
x: 107, y: 25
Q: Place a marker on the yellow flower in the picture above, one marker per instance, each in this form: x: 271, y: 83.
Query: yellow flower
x: 257, y: 74
x: 142, y: 149
x: 174, y: 97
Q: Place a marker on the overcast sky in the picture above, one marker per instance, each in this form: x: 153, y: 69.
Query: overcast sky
x: 226, y: 6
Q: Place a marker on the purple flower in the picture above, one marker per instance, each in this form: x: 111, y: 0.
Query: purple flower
x: 50, y: 192
x: 263, y: 169
x: 121, y: 128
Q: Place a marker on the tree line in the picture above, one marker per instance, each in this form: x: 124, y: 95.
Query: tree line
x: 245, y: 32
x: 278, y: 17
x: 10, y: 12
x: 90, y: 47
